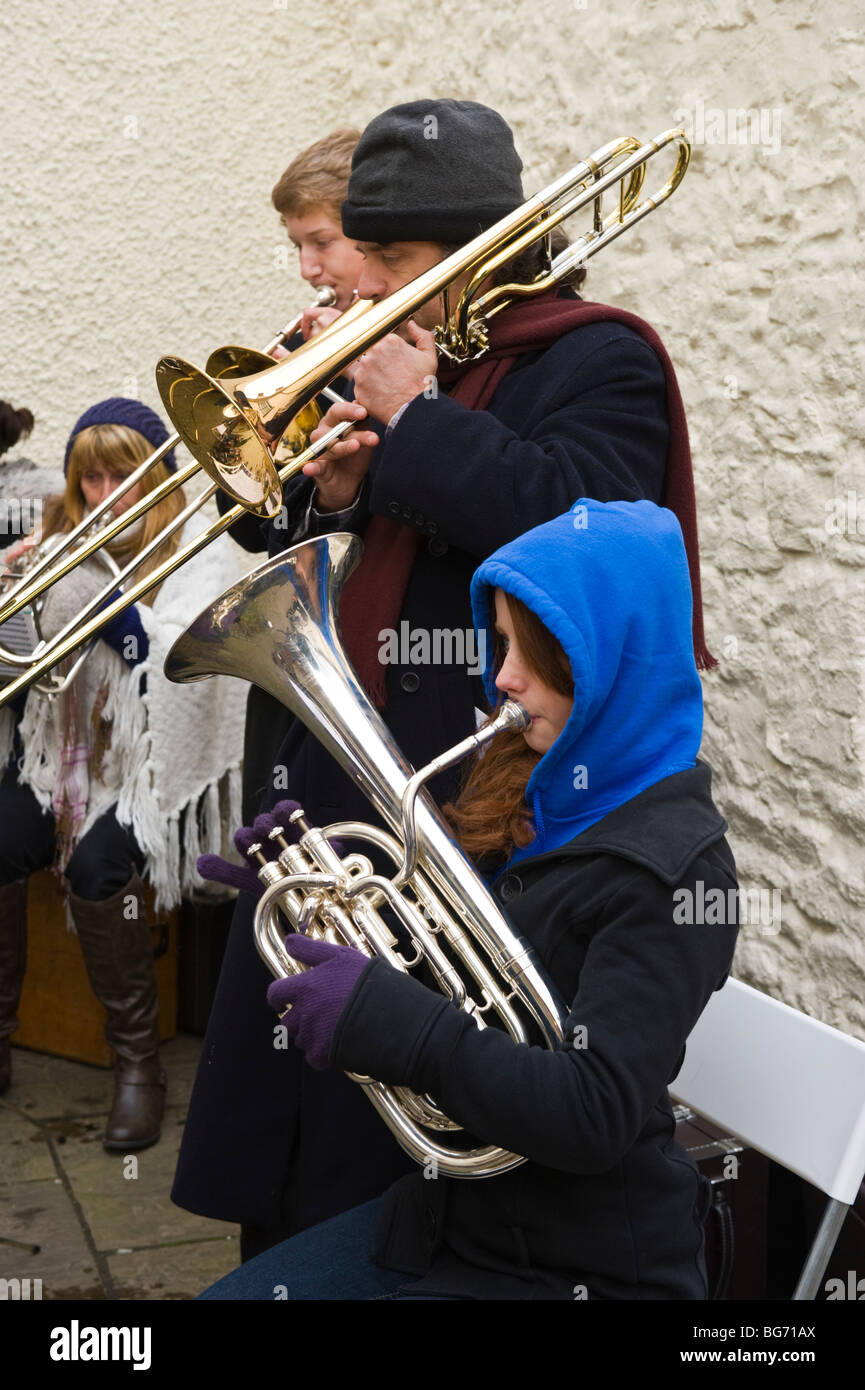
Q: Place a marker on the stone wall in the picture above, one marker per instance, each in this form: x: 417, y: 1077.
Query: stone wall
x: 141, y: 144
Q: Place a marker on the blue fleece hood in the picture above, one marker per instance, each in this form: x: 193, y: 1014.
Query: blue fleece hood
x: 610, y: 581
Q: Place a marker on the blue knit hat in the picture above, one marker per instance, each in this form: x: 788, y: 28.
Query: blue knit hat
x: 121, y: 410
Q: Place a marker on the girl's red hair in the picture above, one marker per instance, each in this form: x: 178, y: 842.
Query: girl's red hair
x: 490, y: 816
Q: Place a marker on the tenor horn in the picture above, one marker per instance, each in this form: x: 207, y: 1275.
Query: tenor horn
x: 277, y: 629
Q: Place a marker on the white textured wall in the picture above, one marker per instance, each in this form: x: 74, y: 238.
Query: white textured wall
x: 140, y: 146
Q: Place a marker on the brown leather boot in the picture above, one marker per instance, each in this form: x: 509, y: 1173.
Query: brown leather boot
x: 118, y: 953
x: 13, y: 961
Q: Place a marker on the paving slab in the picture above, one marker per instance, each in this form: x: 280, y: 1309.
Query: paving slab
x: 41, y: 1213
x: 172, y: 1272
x: 105, y: 1227
x: 125, y: 1198
x: 25, y: 1153
x: 44, y: 1086
x: 180, y: 1063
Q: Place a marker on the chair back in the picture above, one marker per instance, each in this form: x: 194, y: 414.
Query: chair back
x: 790, y: 1086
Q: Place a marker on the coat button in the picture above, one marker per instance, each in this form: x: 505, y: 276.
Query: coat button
x: 410, y: 681
x: 430, y: 528
x: 393, y: 508
x: 437, y: 547
x: 510, y: 887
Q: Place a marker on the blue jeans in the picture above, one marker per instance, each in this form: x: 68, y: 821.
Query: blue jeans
x: 329, y: 1261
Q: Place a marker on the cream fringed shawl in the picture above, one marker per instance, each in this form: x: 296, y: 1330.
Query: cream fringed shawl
x: 170, y: 758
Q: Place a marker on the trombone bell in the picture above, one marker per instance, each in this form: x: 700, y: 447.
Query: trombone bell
x: 213, y: 427
x: 238, y: 436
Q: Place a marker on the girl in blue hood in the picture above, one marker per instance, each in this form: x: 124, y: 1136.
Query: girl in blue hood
x: 589, y: 825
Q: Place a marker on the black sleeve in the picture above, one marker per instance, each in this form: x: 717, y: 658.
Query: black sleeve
x: 591, y: 421
x: 643, y: 985
x: 249, y: 531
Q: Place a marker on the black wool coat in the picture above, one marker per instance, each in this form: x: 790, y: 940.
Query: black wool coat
x: 608, y: 1202
x: 268, y: 1142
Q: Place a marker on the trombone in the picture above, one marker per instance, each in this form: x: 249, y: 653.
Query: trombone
x: 84, y: 627
x: 25, y: 632
x: 235, y: 430
x: 246, y: 420
x: 224, y: 362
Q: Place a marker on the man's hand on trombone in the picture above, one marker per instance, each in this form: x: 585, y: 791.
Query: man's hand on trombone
x: 395, y: 370
x: 387, y: 376
x: 339, y: 471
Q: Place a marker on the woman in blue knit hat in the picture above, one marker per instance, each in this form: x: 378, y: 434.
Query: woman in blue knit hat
x: 107, y: 443
x: 592, y: 828
x: 115, y: 777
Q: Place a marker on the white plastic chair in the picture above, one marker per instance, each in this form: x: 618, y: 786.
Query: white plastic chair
x: 790, y: 1087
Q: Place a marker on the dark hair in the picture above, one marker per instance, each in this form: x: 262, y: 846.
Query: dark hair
x: 533, y: 261
x: 14, y: 425
x: 490, y: 815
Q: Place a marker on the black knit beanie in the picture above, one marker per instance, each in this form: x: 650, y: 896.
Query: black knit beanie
x: 123, y: 410
x: 432, y: 171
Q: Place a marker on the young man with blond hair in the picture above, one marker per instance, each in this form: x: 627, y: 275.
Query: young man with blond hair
x: 308, y: 197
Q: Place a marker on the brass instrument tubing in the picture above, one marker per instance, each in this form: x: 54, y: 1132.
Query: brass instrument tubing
x: 510, y: 716
x: 58, y: 649
x: 324, y: 298
x: 106, y: 535
x: 94, y: 516
x: 29, y: 589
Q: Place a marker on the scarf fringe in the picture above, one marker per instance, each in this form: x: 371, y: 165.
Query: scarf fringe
x: 171, y: 856
x: 235, y: 799
x: 166, y: 794
x: 37, y: 736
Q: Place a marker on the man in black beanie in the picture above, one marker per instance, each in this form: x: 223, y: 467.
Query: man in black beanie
x: 429, y: 176
x: 446, y: 465
x: 432, y: 171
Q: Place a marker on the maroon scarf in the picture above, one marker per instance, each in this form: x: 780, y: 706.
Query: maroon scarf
x: 373, y: 596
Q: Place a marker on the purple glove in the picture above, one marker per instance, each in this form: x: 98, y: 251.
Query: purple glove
x: 243, y: 877
x: 318, y: 996
x: 218, y: 870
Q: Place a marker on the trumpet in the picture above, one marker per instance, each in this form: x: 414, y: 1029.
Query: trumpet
x: 277, y: 629
x: 247, y: 421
